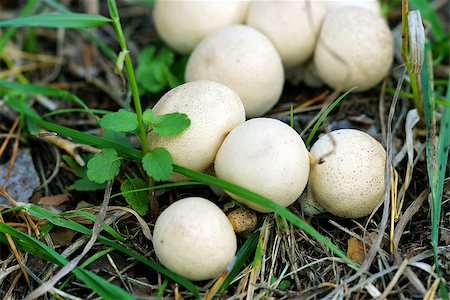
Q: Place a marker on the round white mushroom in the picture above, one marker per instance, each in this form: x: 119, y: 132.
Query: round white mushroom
x: 265, y: 156
x: 355, y: 48
x: 243, y: 59
x: 349, y: 182
x: 183, y: 24
x: 214, y: 110
x: 372, y: 5
x: 292, y: 26
x: 194, y: 239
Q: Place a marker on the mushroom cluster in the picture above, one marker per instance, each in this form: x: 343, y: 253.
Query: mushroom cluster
x: 237, y: 70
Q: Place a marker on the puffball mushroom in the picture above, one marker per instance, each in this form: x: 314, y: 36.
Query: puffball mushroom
x: 349, y: 182
x: 194, y: 239
x: 214, y: 110
x: 183, y: 24
x: 266, y: 156
x: 355, y: 48
x: 372, y: 5
x: 243, y: 59
x: 292, y: 26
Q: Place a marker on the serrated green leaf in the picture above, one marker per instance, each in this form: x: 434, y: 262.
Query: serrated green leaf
x: 85, y: 184
x: 56, y: 20
x: 104, y: 166
x: 171, y: 124
x: 121, y: 121
x: 149, y: 117
x: 158, y: 164
x: 138, y: 200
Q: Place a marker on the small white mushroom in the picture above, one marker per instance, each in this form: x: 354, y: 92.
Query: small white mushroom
x: 214, y: 110
x: 266, y: 156
x: 243, y: 59
x: 355, y: 48
x: 194, y: 238
x: 183, y: 24
x: 349, y: 182
x: 292, y: 26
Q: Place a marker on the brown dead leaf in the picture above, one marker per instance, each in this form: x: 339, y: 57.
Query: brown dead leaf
x: 62, y: 236
x: 54, y: 200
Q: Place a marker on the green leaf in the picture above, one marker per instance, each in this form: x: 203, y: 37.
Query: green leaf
x: 137, y: 199
x: 85, y: 184
x: 154, y: 72
x: 118, y: 137
x: 57, y: 20
x: 121, y: 121
x: 104, y: 166
x: 171, y: 124
x: 158, y: 164
x: 149, y: 117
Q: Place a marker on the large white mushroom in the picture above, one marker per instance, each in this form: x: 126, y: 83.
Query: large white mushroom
x: 243, y: 59
x: 372, y: 5
x: 292, y: 26
x: 194, y: 238
x: 266, y: 156
x: 355, y: 48
x: 182, y: 24
x: 349, y: 182
x: 214, y: 110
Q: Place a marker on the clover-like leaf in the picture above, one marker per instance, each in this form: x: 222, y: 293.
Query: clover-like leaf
x: 158, y: 164
x: 121, y: 121
x: 137, y: 199
x: 171, y: 124
x: 103, y: 166
x: 149, y: 117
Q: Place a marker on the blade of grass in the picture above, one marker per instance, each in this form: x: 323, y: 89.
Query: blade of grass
x: 437, y: 151
x: 46, y: 91
x: 429, y: 14
x: 69, y: 224
x: 57, y: 20
x: 242, y: 255
x: 325, y: 114
x: 11, y: 31
x: 102, y: 287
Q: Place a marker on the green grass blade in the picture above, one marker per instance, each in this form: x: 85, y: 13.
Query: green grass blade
x: 98, y: 284
x: 429, y: 13
x: 242, y: 255
x: 46, y: 91
x: 57, y: 20
x: 325, y: 114
x: 11, y: 31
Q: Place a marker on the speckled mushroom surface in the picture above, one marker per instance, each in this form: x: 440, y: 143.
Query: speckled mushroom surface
x: 355, y: 48
x: 292, y: 26
x: 194, y: 238
x: 182, y: 24
x: 266, y: 156
x: 243, y: 59
x: 350, y: 181
x: 214, y: 110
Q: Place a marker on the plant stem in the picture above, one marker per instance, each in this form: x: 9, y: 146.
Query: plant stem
x: 130, y: 73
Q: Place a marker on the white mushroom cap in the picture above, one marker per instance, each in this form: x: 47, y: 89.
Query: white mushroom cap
x: 372, y: 5
x: 355, y: 48
x: 214, y: 110
x: 265, y: 156
x: 243, y: 59
x: 194, y: 238
x: 349, y: 182
x: 292, y: 26
x: 182, y: 24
